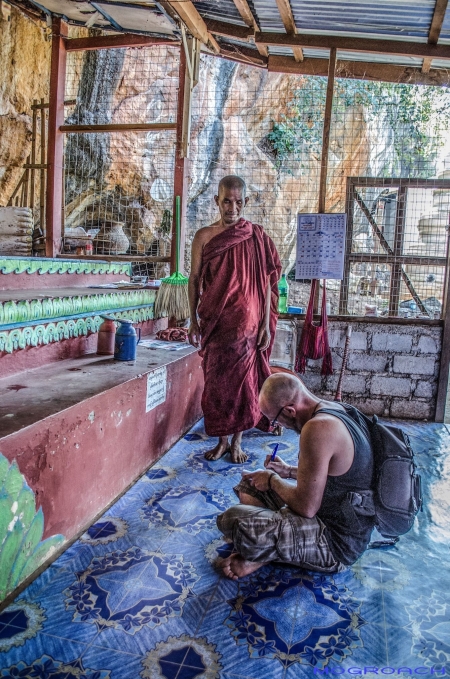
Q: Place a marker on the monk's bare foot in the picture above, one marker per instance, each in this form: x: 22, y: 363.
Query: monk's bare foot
x: 220, y: 450
x: 235, y: 566
x: 237, y: 454
x: 278, y: 430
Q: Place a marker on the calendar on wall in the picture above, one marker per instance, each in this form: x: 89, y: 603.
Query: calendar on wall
x: 320, y: 245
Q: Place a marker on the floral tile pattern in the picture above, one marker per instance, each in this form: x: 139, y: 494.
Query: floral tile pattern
x: 138, y: 596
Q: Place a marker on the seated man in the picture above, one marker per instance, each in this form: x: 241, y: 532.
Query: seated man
x: 310, y: 522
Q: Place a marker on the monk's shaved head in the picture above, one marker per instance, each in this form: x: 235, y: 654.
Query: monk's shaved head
x: 280, y: 390
x: 232, y: 181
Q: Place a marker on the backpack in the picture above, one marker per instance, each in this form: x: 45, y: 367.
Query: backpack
x: 397, y: 493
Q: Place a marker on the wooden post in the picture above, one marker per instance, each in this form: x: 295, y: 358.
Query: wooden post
x: 180, y: 179
x: 42, y: 174
x: 396, y: 267
x: 55, y: 154
x: 444, y: 367
x: 325, y: 147
x: 33, y: 157
x: 326, y: 131
x: 349, y: 209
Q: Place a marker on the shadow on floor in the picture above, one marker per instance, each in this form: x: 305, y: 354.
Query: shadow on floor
x: 137, y: 595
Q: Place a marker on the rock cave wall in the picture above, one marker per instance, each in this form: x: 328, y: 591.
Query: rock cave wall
x: 128, y: 177
x: 25, y: 60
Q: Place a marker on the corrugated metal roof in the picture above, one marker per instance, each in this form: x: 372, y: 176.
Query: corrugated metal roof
x: 396, y: 18
x: 391, y: 18
x: 221, y: 10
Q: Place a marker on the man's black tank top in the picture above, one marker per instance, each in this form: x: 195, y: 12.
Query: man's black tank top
x: 348, y: 529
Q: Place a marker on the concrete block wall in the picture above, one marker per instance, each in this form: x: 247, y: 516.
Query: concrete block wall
x: 392, y: 370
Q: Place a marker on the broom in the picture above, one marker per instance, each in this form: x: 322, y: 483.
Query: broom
x: 172, y: 299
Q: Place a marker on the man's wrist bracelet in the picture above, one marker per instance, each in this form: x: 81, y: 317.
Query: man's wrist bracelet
x: 269, y: 483
x: 290, y: 472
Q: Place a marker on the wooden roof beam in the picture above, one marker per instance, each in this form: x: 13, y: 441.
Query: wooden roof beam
x: 360, y: 70
x: 243, y: 55
x: 99, y: 42
x: 435, y: 29
x: 437, y: 22
x: 244, y: 10
x: 287, y: 18
x: 189, y: 15
x: 382, y: 46
x: 229, y: 30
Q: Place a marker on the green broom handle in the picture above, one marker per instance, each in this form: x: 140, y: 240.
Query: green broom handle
x: 177, y: 232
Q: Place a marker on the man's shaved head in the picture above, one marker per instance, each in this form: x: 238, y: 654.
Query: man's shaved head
x: 232, y: 181
x: 284, y: 395
x: 280, y: 389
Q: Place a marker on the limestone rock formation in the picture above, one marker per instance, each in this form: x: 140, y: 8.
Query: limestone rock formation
x: 25, y: 63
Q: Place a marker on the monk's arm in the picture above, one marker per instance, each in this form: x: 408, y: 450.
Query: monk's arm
x: 264, y: 329
x: 194, y: 287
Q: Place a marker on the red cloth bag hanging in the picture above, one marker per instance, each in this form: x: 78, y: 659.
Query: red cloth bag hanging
x: 314, y: 338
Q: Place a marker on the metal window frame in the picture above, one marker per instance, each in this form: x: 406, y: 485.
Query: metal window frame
x: 392, y: 255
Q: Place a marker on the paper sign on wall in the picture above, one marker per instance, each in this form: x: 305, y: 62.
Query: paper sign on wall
x: 156, y: 388
x: 320, y: 245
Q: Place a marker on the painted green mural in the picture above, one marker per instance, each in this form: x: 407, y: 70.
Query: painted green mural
x: 27, y: 310
x: 11, y: 265
x: 22, y: 549
x: 19, y: 338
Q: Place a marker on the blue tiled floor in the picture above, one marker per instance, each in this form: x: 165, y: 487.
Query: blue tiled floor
x: 137, y: 595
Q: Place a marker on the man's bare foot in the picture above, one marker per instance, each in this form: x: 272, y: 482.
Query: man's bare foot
x: 220, y: 450
x: 235, y: 566
x: 237, y: 454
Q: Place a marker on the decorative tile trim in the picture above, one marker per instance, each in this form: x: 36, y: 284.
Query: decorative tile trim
x: 28, y: 310
x: 19, y: 338
x: 42, y: 265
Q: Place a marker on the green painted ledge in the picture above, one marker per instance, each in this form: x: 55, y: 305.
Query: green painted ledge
x: 44, y: 265
x: 55, y: 331
x: 32, y: 310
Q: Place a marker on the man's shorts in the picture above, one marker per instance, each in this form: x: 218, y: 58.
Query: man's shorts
x: 275, y: 533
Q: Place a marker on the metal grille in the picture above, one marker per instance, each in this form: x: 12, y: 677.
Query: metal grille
x: 396, y: 247
x: 267, y: 128
x: 122, y: 176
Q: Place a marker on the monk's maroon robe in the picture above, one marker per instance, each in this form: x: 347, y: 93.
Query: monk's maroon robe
x: 236, y: 265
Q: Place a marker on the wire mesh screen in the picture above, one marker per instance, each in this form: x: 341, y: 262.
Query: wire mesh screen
x: 396, y: 247
x: 267, y: 128
x: 246, y: 121
x: 119, y: 184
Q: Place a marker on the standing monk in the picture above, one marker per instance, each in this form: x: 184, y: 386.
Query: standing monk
x: 233, y: 288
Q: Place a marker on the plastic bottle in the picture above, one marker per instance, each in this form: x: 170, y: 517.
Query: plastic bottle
x: 106, y: 337
x: 283, y: 289
x: 89, y: 246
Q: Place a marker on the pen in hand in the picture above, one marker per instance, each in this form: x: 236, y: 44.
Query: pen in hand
x: 274, y: 452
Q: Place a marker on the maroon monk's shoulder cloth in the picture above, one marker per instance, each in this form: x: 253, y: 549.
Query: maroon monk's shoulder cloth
x: 236, y: 265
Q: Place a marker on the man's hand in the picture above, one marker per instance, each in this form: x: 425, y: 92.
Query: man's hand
x: 263, y: 337
x: 194, y: 334
x: 277, y: 465
x: 259, y: 479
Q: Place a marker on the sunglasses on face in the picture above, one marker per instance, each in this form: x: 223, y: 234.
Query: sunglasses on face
x: 274, y: 422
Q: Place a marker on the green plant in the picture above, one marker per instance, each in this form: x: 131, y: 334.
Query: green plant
x: 417, y: 116
x: 21, y: 529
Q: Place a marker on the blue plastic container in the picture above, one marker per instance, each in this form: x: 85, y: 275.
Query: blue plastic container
x: 126, y: 341
x: 295, y: 310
